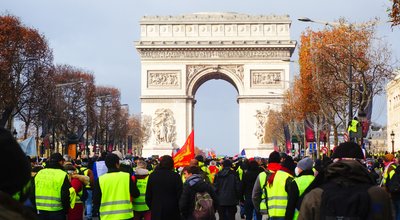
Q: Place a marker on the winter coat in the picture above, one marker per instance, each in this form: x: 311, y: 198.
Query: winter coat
x: 192, y: 185
x: 164, y: 188
x: 348, y: 172
x: 228, y: 187
x: 14, y: 210
x: 249, y: 178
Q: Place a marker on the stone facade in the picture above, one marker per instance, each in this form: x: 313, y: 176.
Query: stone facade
x: 393, y: 112
x: 180, y: 53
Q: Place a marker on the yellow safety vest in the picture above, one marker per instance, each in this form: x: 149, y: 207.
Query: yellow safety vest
x: 277, y: 195
x: 115, y: 198
x: 263, y: 204
x: 240, y: 173
x: 302, y: 183
x: 353, y: 126
x: 86, y: 173
x: 139, y: 203
x: 48, y: 184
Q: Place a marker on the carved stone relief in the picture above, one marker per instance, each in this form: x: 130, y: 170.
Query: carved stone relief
x: 192, y: 70
x: 263, y: 78
x: 214, y: 54
x: 164, y: 128
x: 163, y: 79
x: 262, y: 117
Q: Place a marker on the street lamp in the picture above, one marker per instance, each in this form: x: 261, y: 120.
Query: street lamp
x: 392, y: 137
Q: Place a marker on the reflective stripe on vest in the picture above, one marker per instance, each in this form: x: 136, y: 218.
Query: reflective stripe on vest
x: 48, y: 184
x: 277, y: 195
x: 139, y: 203
x: 302, y: 183
x: 115, y: 198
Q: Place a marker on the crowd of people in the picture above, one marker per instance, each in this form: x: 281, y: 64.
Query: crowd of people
x: 344, y: 186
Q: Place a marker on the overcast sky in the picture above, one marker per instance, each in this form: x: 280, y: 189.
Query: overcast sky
x: 99, y: 35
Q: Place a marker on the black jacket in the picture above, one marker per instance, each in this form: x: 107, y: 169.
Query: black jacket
x: 228, y: 187
x: 194, y: 184
x: 164, y: 188
x: 249, y: 178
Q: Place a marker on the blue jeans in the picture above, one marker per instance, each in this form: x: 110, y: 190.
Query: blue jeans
x: 249, y: 210
x: 89, y: 204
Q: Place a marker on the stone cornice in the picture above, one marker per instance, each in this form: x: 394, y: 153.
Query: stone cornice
x: 238, y: 43
x: 206, y: 18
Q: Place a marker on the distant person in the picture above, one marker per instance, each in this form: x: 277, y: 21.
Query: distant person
x: 249, y: 178
x: 229, y: 191
x: 163, y: 191
x: 141, y: 210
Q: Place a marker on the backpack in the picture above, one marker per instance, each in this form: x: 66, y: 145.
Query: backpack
x: 345, y: 201
x: 203, y: 207
x: 393, y: 184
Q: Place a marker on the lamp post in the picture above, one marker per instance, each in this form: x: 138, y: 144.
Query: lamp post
x: 392, y: 137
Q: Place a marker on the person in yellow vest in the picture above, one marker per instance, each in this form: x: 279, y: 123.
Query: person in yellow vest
x: 276, y: 189
x: 51, y: 186
x: 354, y: 129
x: 113, y: 191
x: 141, y: 210
x: 304, y: 177
x: 203, y: 167
x: 259, y: 196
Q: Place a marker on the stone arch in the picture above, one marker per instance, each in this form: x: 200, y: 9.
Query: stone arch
x: 231, y: 75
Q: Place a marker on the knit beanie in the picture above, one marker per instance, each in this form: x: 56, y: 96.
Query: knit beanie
x: 348, y: 150
x: 305, y: 164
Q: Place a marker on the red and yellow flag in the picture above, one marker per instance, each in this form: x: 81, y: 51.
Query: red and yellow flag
x: 186, y: 153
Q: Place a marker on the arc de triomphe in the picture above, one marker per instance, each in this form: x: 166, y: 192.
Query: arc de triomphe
x: 180, y: 53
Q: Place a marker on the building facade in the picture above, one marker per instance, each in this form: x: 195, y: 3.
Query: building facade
x: 393, y: 112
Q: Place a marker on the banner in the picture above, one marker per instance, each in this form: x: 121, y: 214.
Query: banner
x: 309, y: 131
x: 186, y: 153
x: 28, y: 146
x: 288, y: 143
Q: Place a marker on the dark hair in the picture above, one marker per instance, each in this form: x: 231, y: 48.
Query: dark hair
x: 192, y: 169
x: 111, y: 161
x: 166, y: 162
x: 12, y: 155
x: 274, y: 157
x: 227, y: 163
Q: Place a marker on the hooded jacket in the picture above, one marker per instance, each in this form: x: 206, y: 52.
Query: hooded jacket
x: 228, y: 187
x: 348, y: 172
x: 192, y: 185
